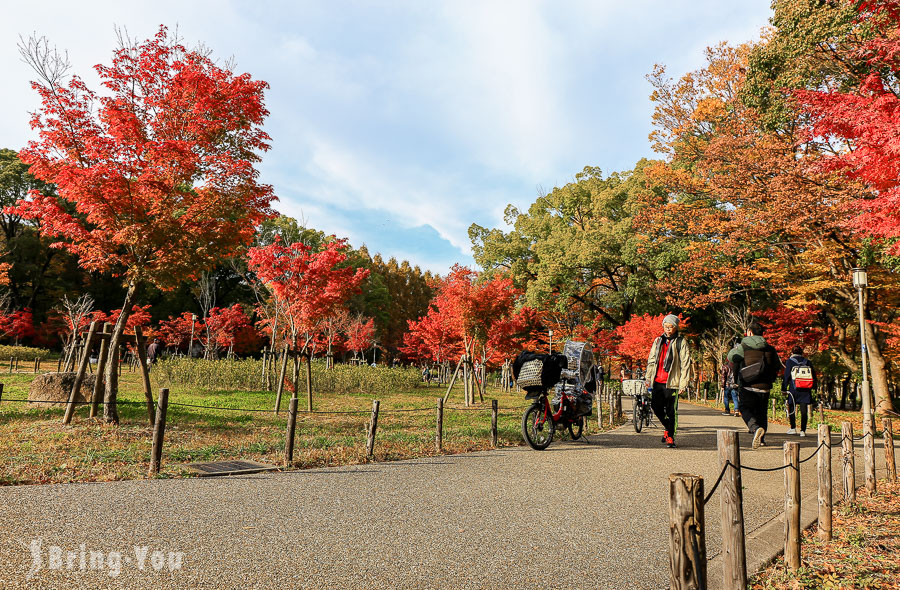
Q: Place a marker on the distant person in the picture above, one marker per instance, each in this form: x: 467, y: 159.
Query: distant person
x: 798, y: 383
x: 624, y: 372
x: 152, y: 351
x: 668, y: 374
x: 756, y: 366
x: 729, y: 389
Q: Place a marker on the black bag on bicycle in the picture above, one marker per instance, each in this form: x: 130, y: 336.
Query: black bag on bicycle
x: 536, y: 373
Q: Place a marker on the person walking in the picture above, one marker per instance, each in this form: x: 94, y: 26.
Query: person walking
x: 729, y: 389
x: 756, y: 366
x: 799, y: 383
x: 668, y: 374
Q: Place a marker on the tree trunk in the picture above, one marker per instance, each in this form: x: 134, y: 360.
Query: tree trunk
x: 877, y: 366
x: 110, y: 411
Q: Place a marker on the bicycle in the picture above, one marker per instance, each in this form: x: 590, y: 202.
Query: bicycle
x: 540, y: 421
x: 642, y: 413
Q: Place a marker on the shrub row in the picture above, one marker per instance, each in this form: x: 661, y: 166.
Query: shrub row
x: 23, y: 353
x: 234, y: 375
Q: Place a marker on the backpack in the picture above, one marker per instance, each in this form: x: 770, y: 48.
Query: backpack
x: 757, y: 372
x: 802, y: 376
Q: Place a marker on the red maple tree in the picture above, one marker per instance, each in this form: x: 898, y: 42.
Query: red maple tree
x: 156, y: 176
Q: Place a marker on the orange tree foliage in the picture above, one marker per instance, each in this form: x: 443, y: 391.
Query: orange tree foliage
x: 156, y: 176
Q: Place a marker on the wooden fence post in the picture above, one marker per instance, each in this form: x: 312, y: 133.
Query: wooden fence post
x: 887, y: 435
x: 687, y: 534
x: 823, y: 464
x: 1, y: 392
x: 599, y: 398
x: 79, y: 377
x: 869, y: 454
x: 494, y: 423
x: 373, y: 426
x: 17, y: 364
x: 159, y: 431
x: 59, y: 363
x: 101, y: 362
x: 140, y: 345
x: 291, y: 428
x: 734, y: 553
x: 439, y: 427
x: 34, y: 371
x: 848, y: 462
x: 792, y: 505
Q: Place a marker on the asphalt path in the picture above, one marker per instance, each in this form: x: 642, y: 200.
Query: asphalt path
x: 576, y: 515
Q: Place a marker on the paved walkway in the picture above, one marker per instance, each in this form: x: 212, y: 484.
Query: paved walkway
x: 574, y: 516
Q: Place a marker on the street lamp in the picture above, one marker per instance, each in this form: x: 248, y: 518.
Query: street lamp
x: 861, y: 281
x: 551, y: 341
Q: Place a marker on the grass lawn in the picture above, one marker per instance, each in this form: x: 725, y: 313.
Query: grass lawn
x: 36, y: 447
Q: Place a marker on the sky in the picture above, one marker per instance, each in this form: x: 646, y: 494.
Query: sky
x: 399, y: 124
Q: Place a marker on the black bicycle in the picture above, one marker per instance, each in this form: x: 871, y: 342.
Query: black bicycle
x: 642, y: 413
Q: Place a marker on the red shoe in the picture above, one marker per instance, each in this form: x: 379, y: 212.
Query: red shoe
x: 665, y: 437
x: 670, y: 442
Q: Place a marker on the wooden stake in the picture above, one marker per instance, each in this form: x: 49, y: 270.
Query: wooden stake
x: 869, y: 455
x: 734, y: 553
x: 291, y: 428
x: 79, y: 377
x: 439, y: 426
x: 1, y: 392
x: 279, y: 389
x: 792, y: 506
x: 140, y: 343
x: 687, y: 535
x: 453, y: 379
x: 98, y: 382
x: 848, y: 462
x: 823, y: 465
x: 35, y: 366
x: 494, y: 423
x: 159, y: 432
x: 309, y: 403
x: 373, y: 426
x: 887, y: 435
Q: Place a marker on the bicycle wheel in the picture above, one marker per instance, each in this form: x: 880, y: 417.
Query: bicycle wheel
x: 637, y: 416
x: 576, y: 429
x: 537, y: 430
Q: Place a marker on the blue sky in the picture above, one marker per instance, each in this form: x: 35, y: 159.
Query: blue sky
x: 398, y: 124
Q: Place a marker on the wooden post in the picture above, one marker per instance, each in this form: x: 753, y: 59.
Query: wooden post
x: 279, y: 389
x: 35, y: 365
x: 309, y: 403
x: 17, y: 364
x: 291, y: 428
x: 101, y: 362
x: 373, y: 426
x: 792, y: 505
x: 598, y: 396
x: 59, y: 364
x: 439, y: 426
x: 159, y: 432
x: 453, y: 379
x: 494, y: 423
x: 687, y: 535
x: 869, y: 455
x: 823, y: 464
x: 1, y: 392
x: 79, y: 377
x: 848, y: 462
x: 887, y: 435
x: 734, y: 552
x: 140, y: 344
x: 773, y: 408
x: 822, y: 413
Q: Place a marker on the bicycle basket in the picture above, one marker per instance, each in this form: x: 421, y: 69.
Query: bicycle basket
x: 530, y: 374
x: 634, y: 387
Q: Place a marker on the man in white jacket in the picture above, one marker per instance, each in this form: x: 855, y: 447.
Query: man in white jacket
x: 668, y: 375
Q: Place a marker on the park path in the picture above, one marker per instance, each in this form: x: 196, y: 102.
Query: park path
x: 574, y: 516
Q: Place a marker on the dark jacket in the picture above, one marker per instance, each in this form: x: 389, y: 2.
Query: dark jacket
x: 801, y: 396
x: 750, y: 351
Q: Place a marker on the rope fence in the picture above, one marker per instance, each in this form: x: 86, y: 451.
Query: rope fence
x: 687, y: 557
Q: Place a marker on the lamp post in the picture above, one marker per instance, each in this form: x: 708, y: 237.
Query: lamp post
x: 551, y: 341
x: 861, y: 281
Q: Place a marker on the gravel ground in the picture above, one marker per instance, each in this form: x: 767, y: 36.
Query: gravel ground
x: 575, y: 516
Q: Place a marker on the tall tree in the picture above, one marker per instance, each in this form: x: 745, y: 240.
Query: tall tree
x: 159, y: 169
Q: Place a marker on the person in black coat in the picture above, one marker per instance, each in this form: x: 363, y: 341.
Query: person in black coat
x: 797, y: 397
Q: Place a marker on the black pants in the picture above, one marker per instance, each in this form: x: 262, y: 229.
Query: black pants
x: 754, y: 409
x: 664, y: 402
x: 804, y: 413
